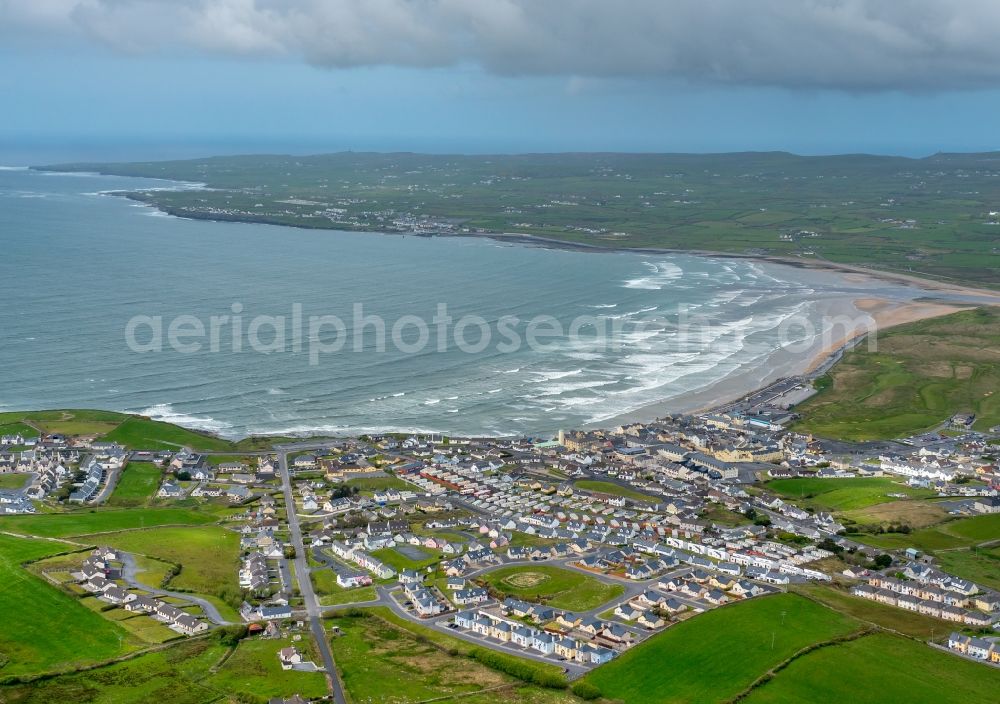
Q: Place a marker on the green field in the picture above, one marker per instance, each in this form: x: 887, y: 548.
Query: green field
x: 880, y: 669
x: 67, y: 422
x: 842, y: 494
x: 13, y: 480
x: 921, y: 374
x: 398, y: 561
x: 600, y: 487
x: 716, y: 513
x: 136, y: 485
x: 17, y: 428
x: 208, y: 555
x: 714, y: 656
x: 189, y: 672
x: 960, y: 533
x: 373, y: 484
x: 391, y: 663
x: 889, y: 617
x: 254, y: 669
x: 168, y: 676
x: 45, y: 629
x: 557, y: 587
x: 146, y: 434
x: 61, y: 525
x: 851, y: 209
x: 982, y: 566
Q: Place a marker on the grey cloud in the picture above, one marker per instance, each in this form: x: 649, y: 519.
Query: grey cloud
x: 839, y: 44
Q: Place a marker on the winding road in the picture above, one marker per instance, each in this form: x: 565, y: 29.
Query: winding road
x: 129, y: 571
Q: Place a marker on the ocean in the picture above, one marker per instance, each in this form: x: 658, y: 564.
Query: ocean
x: 84, y: 273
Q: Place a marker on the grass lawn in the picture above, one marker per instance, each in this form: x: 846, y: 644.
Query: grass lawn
x: 594, y: 485
x: 843, y: 494
x: 907, y: 622
x: 330, y: 593
x: 146, y: 434
x: 880, y: 669
x: 372, y: 484
x: 144, y: 628
x: 44, y: 628
x: 137, y: 483
x: 67, y: 422
x: 61, y: 525
x: 13, y: 480
x: 714, y: 656
x: 921, y: 374
x: 382, y: 662
x: 208, y: 555
x: 398, y: 561
x: 255, y: 670
x: 557, y: 587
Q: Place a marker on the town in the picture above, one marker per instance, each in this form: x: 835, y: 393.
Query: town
x: 568, y: 551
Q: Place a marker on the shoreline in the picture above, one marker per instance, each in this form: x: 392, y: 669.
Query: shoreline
x: 530, y: 240
x: 928, y: 284
x: 883, y: 312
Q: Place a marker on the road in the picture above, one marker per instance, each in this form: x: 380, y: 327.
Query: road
x: 129, y: 570
x: 305, y: 584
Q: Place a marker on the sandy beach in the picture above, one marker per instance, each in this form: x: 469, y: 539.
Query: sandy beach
x: 854, y: 318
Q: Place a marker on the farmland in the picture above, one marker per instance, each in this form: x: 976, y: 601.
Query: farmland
x: 28, y: 642
x: 880, y: 668
x: 715, y: 655
x: 557, y: 587
x: 920, y: 375
x: 61, y: 525
x: 842, y: 494
x: 926, y: 217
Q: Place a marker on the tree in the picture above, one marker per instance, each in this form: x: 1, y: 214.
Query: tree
x: 751, y: 513
x: 829, y: 545
x: 184, y: 475
x: 882, y: 561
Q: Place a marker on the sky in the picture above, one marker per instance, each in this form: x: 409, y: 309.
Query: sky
x: 134, y: 79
